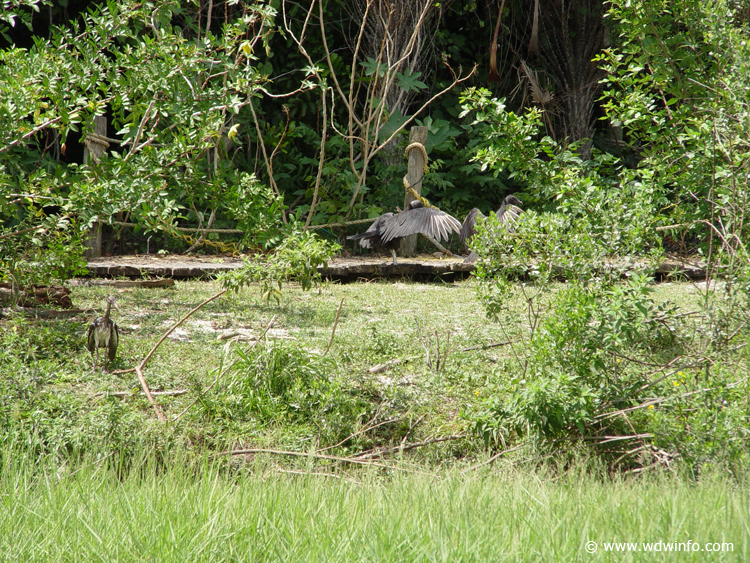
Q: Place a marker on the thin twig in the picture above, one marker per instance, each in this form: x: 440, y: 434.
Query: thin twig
x: 486, y: 346
x: 358, y: 432
x: 137, y: 139
x: 494, y: 457
x: 174, y: 393
x: 321, y: 158
x: 178, y: 323
x: 21, y: 232
x: 147, y: 391
x: 335, y: 323
x: 139, y: 368
x: 411, y: 429
x: 428, y: 360
x: 34, y: 131
x: 659, y: 400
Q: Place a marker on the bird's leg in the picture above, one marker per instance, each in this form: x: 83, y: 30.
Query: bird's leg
x: 393, y: 252
x: 96, y: 359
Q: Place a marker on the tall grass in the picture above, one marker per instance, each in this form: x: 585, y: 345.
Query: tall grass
x: 182, y: 513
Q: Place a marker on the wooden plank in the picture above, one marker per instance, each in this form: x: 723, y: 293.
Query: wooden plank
x: 347, y: 269
x: 166, y: 282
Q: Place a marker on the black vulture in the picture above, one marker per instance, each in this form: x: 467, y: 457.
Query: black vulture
x: 507, y: 215
x: 388, y: 229
x: 103, y: 333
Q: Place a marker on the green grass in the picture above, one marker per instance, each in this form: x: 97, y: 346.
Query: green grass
x: 182, y: 514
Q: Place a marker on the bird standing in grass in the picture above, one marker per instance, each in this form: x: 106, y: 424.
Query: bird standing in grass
x: 507, y: 215
x: 103, y: 333
x: 388, y: 230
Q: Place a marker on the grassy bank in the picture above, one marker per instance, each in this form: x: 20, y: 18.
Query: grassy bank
x: 52, y: 393
x: 74, y: 486
x: 186, y: 515
x: 307, y: 387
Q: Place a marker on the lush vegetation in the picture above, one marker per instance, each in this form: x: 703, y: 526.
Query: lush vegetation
x: 258, y: 116
x: 624, y: 132
x: 639, y: 376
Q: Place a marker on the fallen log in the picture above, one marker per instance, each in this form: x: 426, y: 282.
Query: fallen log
x: 35, y: 295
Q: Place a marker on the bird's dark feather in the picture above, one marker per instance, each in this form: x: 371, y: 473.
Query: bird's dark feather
x: 507, y: 215
x: 388, y: 229
x: 468, y: 228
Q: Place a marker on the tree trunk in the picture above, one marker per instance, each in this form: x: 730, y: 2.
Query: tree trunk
x: 94, y: 148
x: 414, y: 179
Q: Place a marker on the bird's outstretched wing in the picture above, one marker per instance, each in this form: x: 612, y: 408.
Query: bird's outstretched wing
x: 426, y: 220
x: 508, y: 215
x: 372, y: 234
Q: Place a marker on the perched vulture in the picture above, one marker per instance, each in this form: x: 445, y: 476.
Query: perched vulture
x: 507, y: 215
x: 388, y: 229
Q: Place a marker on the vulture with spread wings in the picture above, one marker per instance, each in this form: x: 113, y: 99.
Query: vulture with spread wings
x: 388, y: 229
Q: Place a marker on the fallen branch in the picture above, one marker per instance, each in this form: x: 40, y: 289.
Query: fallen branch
x: 254, y: 451
x: 403, y: 448
x: 35, y: 295
x: 139, y: 368
x: 178, y: 323
x: 167, y: 282
x: 357, y: 433
x: 37, y: 312
x: 174, y: 393
x: 494, y: 457
x: 164, y: 336
x: 486, y: 346
x: 439, y: 246
x: 659, y: 400
x: 147, y: 391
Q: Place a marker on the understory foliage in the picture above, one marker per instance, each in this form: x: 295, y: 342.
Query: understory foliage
x: 168, y: 152
x: 205, y: 140
x: 296, y: 259
x: 48, y: 251
x: 284, y: 384
x: 602, y: 362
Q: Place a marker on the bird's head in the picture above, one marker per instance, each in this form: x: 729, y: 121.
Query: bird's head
x: 416, y: 204
x: 111, y: 300
x: 512, y: 200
